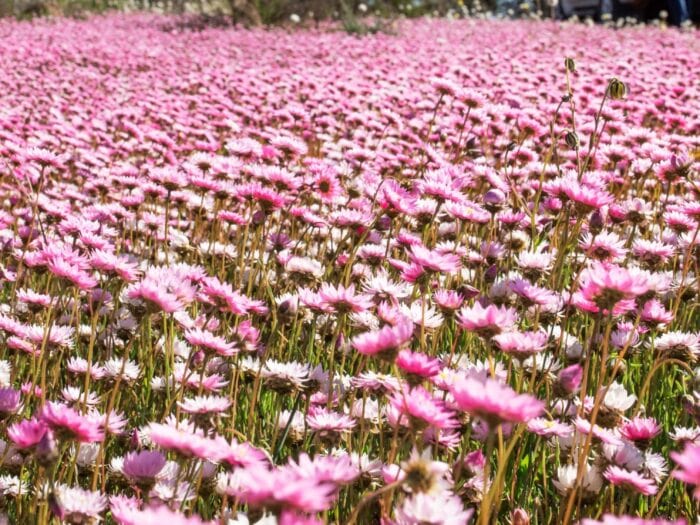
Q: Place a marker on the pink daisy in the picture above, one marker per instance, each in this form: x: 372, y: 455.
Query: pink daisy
x: 493, y: 401
x: 487, y: 321
x: 69, y: 423
x: 631, y: 480
x: 688, y: 462
x: 385, y: 342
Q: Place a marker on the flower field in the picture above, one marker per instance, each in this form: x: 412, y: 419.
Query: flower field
x: 443, y: 276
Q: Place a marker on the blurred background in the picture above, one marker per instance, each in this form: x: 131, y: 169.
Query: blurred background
x: 371, y: 15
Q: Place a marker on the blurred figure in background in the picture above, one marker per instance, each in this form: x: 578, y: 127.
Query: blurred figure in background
x: 678, y: 12
x: 596, y: 9
x: 675, y: 12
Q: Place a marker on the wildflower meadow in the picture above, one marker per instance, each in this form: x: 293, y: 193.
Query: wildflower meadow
x: 446, y: 275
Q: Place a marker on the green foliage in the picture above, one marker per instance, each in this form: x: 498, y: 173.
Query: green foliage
x: 349, y: 12
x: 272, y: 11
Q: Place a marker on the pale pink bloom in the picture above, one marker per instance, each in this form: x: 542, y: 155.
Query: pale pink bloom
x: 128, y: 512
x: 10, y: 401
x: 531, y: 294
x: 521, y: 345
x: 548, y: 428
x: 630, y: 480
x: 186, y: 442
x: 342, y: 299
x: 209, y: 342
x: 441, y: 508
x: 654, y: 313
x: 434, y: 260
x: 494, y: 402
x: 77, y: 505
x: 448, y: 300
x: 204, y: 405
x: 688, y: 462
x: 418, y: 408
x: 386, y: 341
x: 142, y: 468
x: 569, y: 379
x: 487, y: 321
x: 324, y: 422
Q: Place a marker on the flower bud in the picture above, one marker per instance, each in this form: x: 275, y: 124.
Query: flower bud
x: 596, y: 222
x: 55, y: 506
x: 491, y: 273
x: 520, y: 517
x: 46, y: 450
x: 384, y: 223
x: 494, y: 200
x: 572, y: 140
x: 468, y: 292
x: 570, y: 65
x: 617, y: 89
x: 570, y: 378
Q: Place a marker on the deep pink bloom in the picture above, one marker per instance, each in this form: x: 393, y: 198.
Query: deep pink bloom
x: 27, y: 433
x: 417, y: 364
x: 640, y: 429
x: 586, y: 198
x: 156, y: 297
x: 66, y: 421
x: 283, y: 487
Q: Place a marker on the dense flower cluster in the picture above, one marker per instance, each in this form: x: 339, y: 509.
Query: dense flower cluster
x: 265, y: 277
